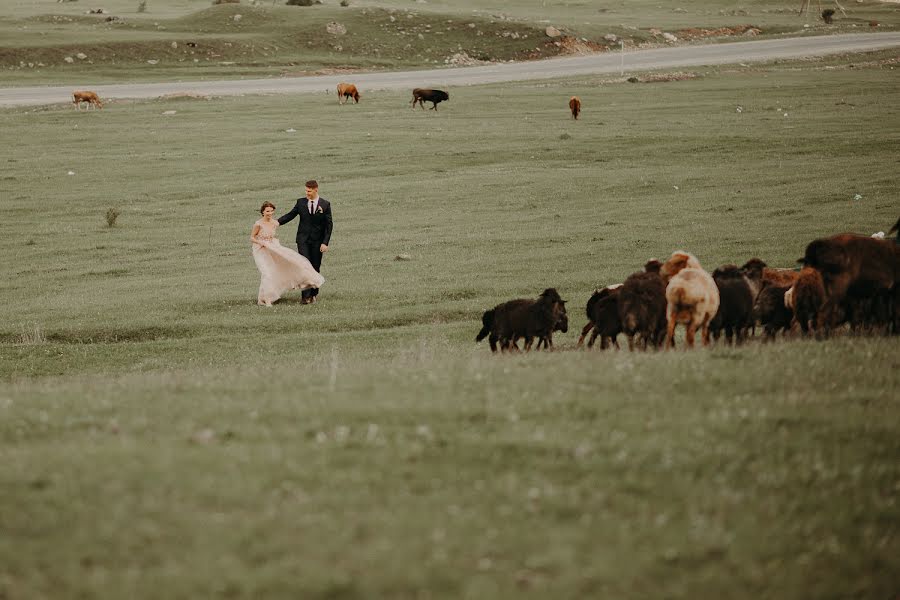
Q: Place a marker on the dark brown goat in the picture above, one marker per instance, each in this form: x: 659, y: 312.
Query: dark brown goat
x: 530, y: 319
x: 735, y: 314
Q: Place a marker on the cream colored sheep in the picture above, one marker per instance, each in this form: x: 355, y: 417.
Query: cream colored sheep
x: 692, y: 297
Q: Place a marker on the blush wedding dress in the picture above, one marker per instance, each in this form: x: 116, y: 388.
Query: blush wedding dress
x: 280, y: 269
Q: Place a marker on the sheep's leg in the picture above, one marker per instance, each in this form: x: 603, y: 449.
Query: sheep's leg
x: 584, y: 332
x: 690, y: 332
x: 528, y: 341
x: 593, y: 339
x: 670, y: 332
x: 492, y: 340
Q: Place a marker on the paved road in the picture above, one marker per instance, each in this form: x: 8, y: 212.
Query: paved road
x: 608, y: 62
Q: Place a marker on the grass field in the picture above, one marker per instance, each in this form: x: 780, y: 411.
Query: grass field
x: 193, y: 40
x: 162, y: 436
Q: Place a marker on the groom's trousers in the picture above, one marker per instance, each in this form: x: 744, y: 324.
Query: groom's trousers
x: 313, y: 253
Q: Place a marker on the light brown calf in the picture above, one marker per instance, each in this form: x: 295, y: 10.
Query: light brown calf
x: 345, y: 91
x: 84, y: 96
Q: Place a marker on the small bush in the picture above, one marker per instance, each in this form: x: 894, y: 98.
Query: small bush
x: 828, y: 15
x: 111, y: 215
x: 226, y: 2
x: 142, y: 6
x: 299, y: 2
x: 345, y: 3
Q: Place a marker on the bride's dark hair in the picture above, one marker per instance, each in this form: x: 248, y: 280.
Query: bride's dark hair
x: 264, y: 206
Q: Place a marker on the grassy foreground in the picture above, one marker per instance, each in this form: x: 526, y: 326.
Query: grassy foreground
x: 161, y: 436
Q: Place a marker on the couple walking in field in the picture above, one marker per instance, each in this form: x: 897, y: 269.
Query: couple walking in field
x: 282, y: 269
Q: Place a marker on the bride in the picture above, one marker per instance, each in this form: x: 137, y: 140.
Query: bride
x: 280, y: 269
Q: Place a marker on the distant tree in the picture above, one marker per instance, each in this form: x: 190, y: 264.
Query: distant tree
x: 142, y: 6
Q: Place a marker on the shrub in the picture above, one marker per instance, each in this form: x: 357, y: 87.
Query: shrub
x: 345, y: 3
x: 226, y: 1
x: 828, y: 15
x: 299, y: 2
x: 142, y: 6
x: 111, y: 215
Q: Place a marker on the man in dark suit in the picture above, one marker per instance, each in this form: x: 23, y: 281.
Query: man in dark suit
x: 314, y: 230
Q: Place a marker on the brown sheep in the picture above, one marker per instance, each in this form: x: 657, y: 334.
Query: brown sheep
x: 856, y: 266
x: 575, y: 106
x: 806, y: 298
x: 691, y: 295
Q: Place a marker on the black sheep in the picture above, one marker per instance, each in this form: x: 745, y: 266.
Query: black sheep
x: 771, y: 311
x: 531, y: 319
x: 603, y: 317
x: 735, y: 314
x: 642, y: 308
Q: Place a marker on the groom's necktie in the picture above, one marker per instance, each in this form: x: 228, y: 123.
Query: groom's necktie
x: 310, y: 208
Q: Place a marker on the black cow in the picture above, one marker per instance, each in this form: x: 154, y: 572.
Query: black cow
x: 422, y: 96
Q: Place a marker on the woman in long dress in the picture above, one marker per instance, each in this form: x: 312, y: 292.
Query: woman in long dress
x: 280, y: 269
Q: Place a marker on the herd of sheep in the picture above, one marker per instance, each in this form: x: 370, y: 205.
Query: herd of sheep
x: 845, y: 279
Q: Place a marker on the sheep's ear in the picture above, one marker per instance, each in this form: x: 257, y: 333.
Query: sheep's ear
x: 802, y: 261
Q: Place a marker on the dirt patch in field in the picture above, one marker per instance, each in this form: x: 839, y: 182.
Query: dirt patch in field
x: 664, y: 77
x: 694, y: 33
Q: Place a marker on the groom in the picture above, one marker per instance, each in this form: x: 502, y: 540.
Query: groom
x: 314, y: 231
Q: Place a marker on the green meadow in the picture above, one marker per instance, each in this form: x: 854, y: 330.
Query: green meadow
x: 161, y: 436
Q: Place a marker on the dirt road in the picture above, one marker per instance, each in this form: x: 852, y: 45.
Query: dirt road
x: 607, y: 62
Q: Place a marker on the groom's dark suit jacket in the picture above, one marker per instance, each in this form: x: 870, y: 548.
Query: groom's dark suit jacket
x: 315, y: 229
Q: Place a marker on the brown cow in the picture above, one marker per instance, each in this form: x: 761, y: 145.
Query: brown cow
x: 575, y: 106
x: 85, y: 96
x: 346, y: 91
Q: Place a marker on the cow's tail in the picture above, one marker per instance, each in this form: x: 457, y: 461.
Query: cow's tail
x: 487, y: 321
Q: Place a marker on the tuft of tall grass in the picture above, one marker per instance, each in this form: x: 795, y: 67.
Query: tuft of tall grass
x: 111, y: 215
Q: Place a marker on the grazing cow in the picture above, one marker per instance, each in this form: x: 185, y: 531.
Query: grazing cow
x: 575, y: 106
x: 856, y: 266
x: 345, y: 91
x: 691, y: 295
x: 531, y: 319
x: 603, y: 317
x: 422, y: 96
x: 85, y: 96
x: 735, y: 314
